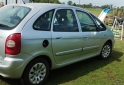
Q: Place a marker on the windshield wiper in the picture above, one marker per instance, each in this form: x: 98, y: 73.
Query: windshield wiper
x: 3, y: 25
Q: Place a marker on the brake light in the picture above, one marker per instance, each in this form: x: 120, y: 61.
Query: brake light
x: 13, y: 44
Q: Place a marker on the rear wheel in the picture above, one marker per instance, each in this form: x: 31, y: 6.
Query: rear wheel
x: 106, y: 51
x: 36, y: 72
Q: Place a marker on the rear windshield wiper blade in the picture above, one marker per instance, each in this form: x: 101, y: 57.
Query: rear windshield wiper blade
x: 2, y: 25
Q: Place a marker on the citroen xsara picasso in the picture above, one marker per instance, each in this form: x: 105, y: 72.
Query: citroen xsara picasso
x: 35, y: 38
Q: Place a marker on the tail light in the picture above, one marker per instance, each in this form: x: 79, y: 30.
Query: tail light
x: 13, y: 44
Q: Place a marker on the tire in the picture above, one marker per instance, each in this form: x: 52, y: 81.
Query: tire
x: 36, y: 72
x: 106, y: 51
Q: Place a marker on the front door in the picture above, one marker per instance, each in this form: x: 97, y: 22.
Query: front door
x: 67, y: 42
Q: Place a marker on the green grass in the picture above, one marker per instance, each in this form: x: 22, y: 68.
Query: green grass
x: 95, y: 11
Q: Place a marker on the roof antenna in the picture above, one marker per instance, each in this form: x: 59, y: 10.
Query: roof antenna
x: 23, y: 1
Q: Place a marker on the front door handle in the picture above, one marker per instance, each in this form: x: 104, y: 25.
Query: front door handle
x: 104, y: 35
x: 86, y: 37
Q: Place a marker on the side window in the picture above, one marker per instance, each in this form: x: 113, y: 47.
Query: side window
x: 101, y: 26
x: 65, y: 21
x: 44, y: 21
x: 87, y: 24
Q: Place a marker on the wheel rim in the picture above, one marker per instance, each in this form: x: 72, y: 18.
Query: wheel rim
x: 106, y: 51
x: 37, y: 73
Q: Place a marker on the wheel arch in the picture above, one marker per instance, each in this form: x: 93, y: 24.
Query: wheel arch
x: 45, y: 57
x: 109, y: 41
x: 41, y: 57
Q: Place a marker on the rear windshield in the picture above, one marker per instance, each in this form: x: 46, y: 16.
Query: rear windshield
x: 11, y: 16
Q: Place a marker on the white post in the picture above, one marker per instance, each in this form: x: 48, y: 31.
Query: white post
x: 122, y: 30
x: 114, y: 24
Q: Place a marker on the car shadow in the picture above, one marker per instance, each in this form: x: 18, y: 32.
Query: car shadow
x: 71, y: 72
x: 74, y: 71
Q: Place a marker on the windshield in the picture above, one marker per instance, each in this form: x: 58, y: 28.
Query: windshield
x: 10, y: 16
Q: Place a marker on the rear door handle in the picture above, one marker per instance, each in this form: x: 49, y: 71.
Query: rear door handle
x: 58, y: 37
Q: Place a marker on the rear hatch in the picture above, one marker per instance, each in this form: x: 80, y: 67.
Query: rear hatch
x: 10, y: 17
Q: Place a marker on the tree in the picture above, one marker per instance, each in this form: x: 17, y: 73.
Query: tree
x: 74, y: 4
x: 70, y: 2
x: 47, y: 1
x: 105, y: 6
x: 63, y: 3
x: 122, y: 7
x: 36, y: 0
x: 88, y: 5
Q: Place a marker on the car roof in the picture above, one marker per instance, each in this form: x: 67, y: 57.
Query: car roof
x: 49, y: 6
x: 52, y: 5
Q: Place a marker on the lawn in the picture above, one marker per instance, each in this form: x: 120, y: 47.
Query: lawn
x: 88, y: 72
x: 95, y: 11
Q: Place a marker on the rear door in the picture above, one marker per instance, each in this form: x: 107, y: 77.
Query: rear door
x: 92, y: 39
x: 102, y: 30
x: 67, y: 42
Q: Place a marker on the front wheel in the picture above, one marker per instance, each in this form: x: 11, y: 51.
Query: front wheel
x: 106, y: 51
x: 36, y: 72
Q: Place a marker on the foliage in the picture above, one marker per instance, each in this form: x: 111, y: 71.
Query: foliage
x: 74, y: 4
x: 122, y: 7
x: 70, y: 2
x: 106, y: 6
x: 46, y: 1
x: 88, y: 5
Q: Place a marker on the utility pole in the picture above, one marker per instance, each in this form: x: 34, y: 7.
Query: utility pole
x: 79, y: 3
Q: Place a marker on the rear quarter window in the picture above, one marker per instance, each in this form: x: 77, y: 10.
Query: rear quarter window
x: 43, y: 23
x: 12, y: 16
x: 101, y: 26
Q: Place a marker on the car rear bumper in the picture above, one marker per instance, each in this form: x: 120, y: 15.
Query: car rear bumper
x: 13, y: 66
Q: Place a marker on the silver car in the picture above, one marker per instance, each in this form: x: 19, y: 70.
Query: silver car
x: 38, y: 37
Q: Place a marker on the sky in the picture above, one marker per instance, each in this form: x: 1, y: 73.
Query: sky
x: 98, y: 2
